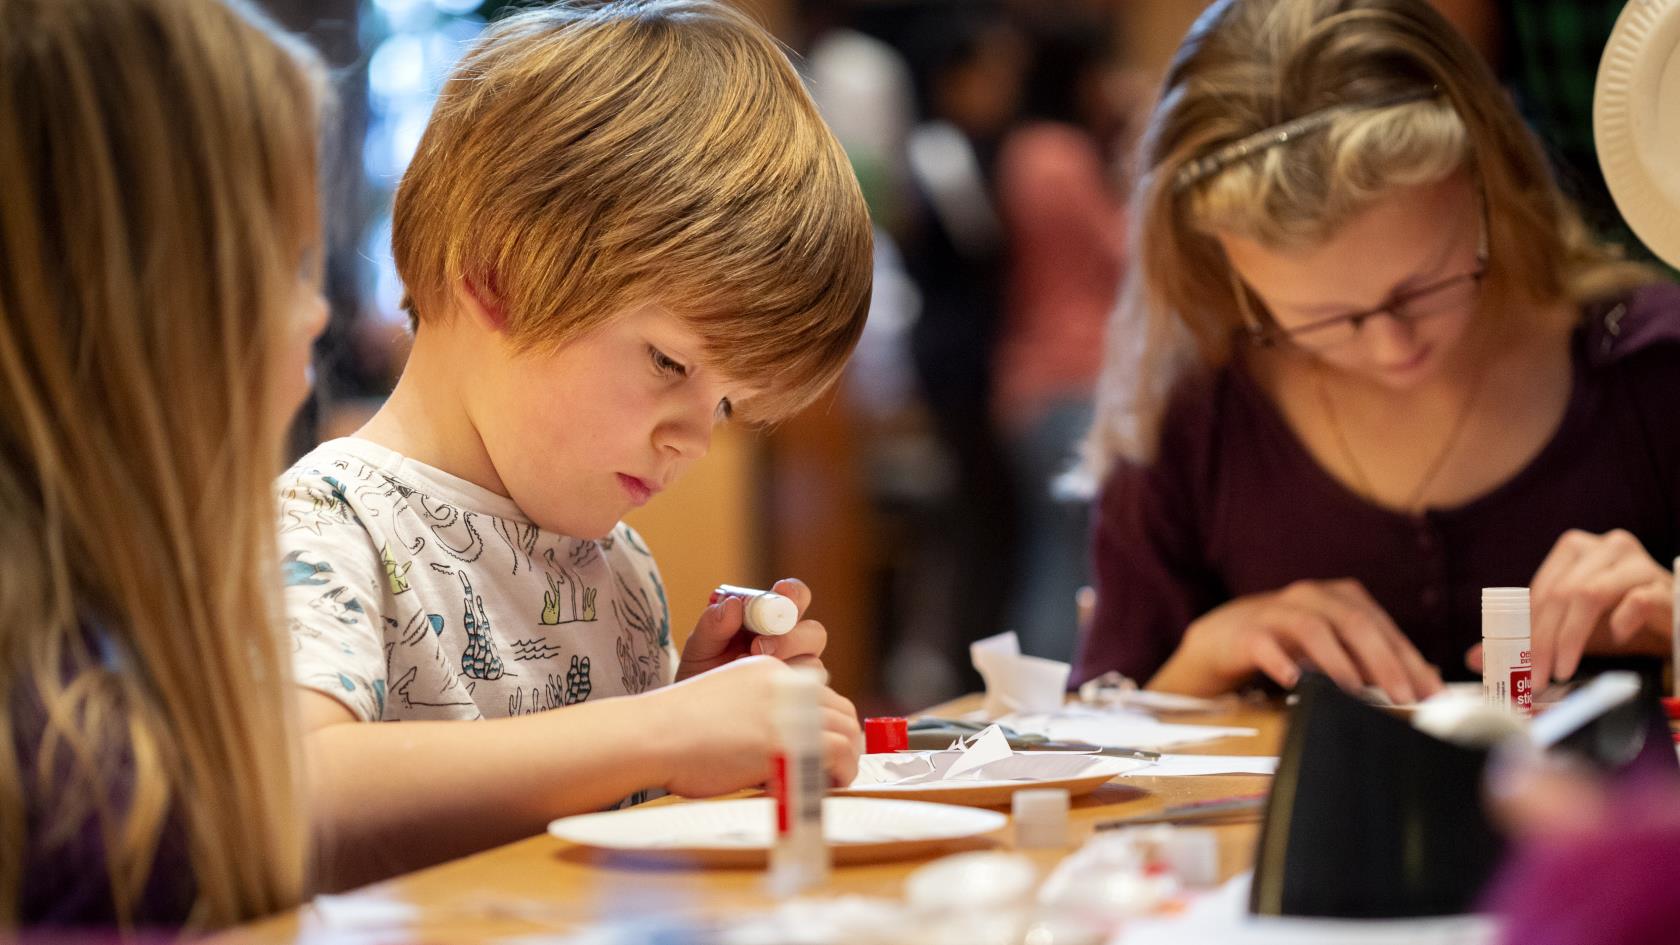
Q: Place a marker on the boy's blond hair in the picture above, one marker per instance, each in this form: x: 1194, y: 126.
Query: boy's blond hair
x: 1418, y: 105
x: 584, y: 158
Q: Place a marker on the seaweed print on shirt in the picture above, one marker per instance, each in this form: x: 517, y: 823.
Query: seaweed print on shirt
x: 479, y: 660
x: 641, y: 654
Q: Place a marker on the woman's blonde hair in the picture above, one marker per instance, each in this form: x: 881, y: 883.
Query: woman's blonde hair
x: 587, y: 156
x: 157, y: 159
x: 1402, y: 100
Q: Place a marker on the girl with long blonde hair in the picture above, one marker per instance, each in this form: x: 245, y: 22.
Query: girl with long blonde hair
x: 1368, y: 362
x: 157, y: 300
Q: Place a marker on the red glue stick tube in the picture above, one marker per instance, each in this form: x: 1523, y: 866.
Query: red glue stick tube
x: 764, y: 613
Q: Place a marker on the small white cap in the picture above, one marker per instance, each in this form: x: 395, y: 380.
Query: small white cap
x: 1041, y: 818
x: 1505, y: 599
x: 770, y: 615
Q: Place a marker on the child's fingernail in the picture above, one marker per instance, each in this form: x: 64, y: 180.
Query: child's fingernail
x: 764, y: 646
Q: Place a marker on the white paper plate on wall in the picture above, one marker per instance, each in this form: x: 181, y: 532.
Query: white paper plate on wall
x: 1636, y: 122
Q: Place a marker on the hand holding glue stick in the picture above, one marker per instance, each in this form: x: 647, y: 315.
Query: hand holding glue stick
x: 763, y: 612
x: 1600, y: 594
x: 742, y: 621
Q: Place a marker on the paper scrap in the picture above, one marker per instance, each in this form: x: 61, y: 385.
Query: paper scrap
x: 982, y: 750
x: 1118, y: 728
x: 1191, y: 766
x: 986, y: 757
x: 1016, y: 682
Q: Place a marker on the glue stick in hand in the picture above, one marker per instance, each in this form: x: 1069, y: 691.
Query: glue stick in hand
x: 1507, y: 667
x: 799, y: 858
x: 764, y: 613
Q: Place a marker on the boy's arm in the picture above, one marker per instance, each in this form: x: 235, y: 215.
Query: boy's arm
x: 392, y: 797
x: 388, y: 798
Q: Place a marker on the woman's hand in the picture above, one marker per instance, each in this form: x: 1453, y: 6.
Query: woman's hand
x: 1595, y: 593
x: 721, y: 636
x: 1334, y: 625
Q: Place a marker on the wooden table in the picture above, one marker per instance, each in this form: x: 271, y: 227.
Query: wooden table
x: 544, y: 885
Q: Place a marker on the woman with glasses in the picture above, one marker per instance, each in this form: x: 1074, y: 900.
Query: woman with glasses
x: 1367, y: 363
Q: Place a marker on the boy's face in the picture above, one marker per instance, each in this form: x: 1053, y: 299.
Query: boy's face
x: 582, y: 435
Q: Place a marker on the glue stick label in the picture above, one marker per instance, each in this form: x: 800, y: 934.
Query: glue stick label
x: 1522, y: 686
x: 779, y: 791
x: 1507, y: 675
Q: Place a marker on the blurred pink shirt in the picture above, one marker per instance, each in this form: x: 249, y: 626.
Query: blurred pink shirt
x: 1066, y: 233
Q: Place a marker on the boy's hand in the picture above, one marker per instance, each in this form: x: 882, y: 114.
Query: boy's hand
x: 722, y: 729
x: 720, y: 636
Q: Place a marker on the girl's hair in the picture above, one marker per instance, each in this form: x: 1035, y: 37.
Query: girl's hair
x: 1403, y: 100
x: 158, y: 161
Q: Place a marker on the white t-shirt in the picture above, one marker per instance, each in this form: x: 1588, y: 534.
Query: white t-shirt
x: 414, y: 594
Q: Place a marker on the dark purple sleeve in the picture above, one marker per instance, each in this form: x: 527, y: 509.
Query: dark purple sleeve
x: 66, y: 871
x: 1148, y: 565
x: 1644, y: 344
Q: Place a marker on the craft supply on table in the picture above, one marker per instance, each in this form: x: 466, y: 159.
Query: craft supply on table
x: 799, y: 858
x: 739, y: 831
x: 1112, y: 690
x: 1014, y: 681
x: 1201, y: 766
x: 1041, y: 818
x: 885, y: 734
x: 1117, y: 728
x: 1466, y: 719
x: 1239, y: 807
x: 932, y: 733
x: 1507, y: 667
x: 982, y: 770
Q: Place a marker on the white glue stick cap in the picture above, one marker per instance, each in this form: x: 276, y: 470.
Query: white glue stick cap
x: 770, y: 614
x: 1041, y: 818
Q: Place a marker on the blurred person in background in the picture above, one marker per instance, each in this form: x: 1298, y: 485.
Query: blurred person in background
x: 1063, y: 219
x: 968, y: 61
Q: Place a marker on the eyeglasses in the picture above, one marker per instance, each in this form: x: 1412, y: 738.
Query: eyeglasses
x: 1458, y: 293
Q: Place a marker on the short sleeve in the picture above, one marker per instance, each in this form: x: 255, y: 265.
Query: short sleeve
x: 332, y: 591
x: 1148, y: 561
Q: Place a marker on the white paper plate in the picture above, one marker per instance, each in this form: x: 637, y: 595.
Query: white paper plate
x: 1636, y: 121
x: 738, y: 832
x: 1097, y: 771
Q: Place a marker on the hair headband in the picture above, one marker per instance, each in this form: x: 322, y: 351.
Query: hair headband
x: 1202, y: 168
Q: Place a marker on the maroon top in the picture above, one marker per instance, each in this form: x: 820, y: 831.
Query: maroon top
x: 1235, y: 505
x: 66, y: 888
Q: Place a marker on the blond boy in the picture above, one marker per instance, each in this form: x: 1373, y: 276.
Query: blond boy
x: 624, y: 224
